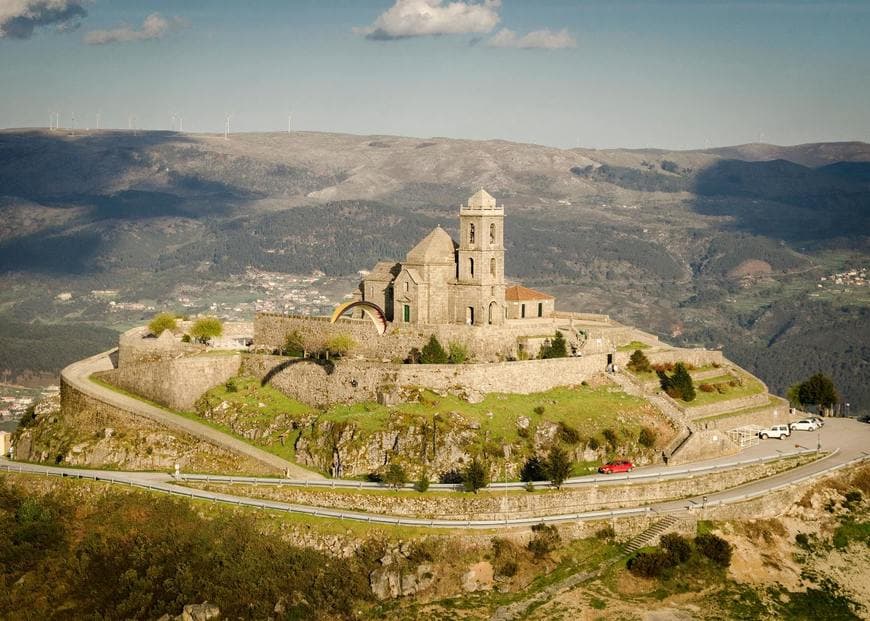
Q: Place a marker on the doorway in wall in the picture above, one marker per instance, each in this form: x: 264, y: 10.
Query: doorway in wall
x: 469, y: 315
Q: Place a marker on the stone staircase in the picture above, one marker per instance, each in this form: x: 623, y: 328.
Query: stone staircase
x: 649, y: 535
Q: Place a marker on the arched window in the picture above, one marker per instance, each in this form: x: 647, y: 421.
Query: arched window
x: 492, y: 266
x: 492, y: 233
x: 471, y: 233
x: 471, y: 267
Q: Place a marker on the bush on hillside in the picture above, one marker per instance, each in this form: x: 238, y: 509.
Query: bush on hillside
x: 568, y: 434
x: 679, y: 385
x: 206, y: 328
x: 395, y: 476
x: 677, y: 546
x: 545, y: 539
x: 294, y: 345
x: 340, y: 344
x: 650, y: 563
x: 161, y: 322
x: 715, y: 548
x: 457, y: 352
x: 474, y: 477
x: 638, y: 362
x: 647, y: 437
x: 533, y: 470
x: 558, y: 466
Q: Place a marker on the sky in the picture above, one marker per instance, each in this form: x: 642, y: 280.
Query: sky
x: 675, y: 74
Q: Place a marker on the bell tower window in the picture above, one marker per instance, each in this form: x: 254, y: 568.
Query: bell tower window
x: 471, y: 267
x: 492, y: 266
x: 471, y: 233
x: 492, y: 233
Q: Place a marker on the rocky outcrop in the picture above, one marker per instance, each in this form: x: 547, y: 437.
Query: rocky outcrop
x: 195, y: 612
x: 398, y: 576
x: 478, y: 577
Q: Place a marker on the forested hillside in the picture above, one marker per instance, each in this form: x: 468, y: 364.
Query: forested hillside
x: 725, y: 247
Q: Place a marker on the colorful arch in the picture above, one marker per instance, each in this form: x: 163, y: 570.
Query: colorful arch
x: 373, y: 311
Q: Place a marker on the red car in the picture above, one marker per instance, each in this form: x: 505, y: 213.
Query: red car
x: 616, y: 466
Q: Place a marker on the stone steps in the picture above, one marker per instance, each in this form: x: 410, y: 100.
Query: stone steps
x: 649, y: 535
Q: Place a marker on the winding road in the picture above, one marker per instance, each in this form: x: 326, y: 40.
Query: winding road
x: 852, y: 437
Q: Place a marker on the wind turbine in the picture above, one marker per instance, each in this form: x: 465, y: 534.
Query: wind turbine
x: 99, y: 113
x: 51, y: 121
x: 172, y: 125
x: 289, y: 118
x: 181, y: 124
x: 227, y: 127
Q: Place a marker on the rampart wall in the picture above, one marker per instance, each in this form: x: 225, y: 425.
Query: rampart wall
x: 350, y: 381
x: 176, y: 383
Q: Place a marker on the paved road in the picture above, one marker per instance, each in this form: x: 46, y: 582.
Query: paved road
x: 78, y: 375
x: 856, y: 440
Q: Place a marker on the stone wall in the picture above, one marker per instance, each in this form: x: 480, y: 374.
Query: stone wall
x: 704, y: 444
x: 135, y: 346
x: 176, y: 383
x: 729, y: 405
x: 350, y: 381
x: 776, y: 414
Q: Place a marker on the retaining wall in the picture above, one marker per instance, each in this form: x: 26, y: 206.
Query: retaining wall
x: 351, y: 381
x: 175, y: 383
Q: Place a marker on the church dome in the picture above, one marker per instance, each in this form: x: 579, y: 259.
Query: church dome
x: 436, y: 247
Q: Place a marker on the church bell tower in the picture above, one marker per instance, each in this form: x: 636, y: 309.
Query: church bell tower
x: 480, y: 262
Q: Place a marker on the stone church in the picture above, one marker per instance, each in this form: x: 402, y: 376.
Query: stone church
x: 442, y: 282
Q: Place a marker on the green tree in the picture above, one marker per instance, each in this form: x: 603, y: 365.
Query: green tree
x: 647, y: 437
x: 433, y: 352
x: 793, y: 395
x: 679, y: 385
x: 474, y: 477
x: 294, y: 345
x: 533, y: 470
x: 395, y: 476
x: 340, y: 344
x: 161, y: 322
x: 638, y: 362
x: 557, y: 348
x: 206, y: 328
x: 458, y: 352
x: 558, y: 466
x: 818, y: 390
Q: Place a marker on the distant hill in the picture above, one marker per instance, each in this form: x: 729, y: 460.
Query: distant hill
x: 723, y: 246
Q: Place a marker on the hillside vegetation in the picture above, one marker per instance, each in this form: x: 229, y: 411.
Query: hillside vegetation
x: 718, y: 247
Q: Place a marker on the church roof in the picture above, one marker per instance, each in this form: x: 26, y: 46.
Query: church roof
x: 384, y: 271
x: 436, y: 247
x: 481, y: 200
x: 518, y: 293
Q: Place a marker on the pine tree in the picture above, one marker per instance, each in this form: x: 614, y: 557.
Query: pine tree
x: 638, y: 362
x: 683, y: 381
x: 433, y: 352
x: 558, y: 466
x: 474, y: 477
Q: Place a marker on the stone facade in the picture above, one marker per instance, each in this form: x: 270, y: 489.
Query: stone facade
x: 444, y: 282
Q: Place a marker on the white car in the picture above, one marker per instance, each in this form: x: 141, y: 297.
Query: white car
x: 776, y: 431
x: 806, y: 424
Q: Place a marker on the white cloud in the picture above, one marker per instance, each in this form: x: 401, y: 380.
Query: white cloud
x: 537, y: 39
x: 418, y: 18
x: 19, y: 18
x: 155, y: 26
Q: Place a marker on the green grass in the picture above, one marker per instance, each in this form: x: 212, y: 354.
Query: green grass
x: 633, y: 346
x: 850, y: 531
x: 772, y: 402
x: 748, y: 388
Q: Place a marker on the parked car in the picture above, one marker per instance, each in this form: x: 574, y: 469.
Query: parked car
x: 805, y: 424
x: 616, y: 466
x: 776, y: 431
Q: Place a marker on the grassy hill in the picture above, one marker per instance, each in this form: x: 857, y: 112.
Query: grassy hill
x: 721, y: 247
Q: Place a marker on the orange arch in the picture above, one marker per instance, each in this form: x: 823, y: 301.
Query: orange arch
x: 373, y: 311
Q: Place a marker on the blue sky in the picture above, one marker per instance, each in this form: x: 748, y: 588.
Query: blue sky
x: 670, y: 74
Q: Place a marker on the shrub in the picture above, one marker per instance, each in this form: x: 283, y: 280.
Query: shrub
x: 294, y: 345
x: 679, y: 385
x: 650, y: 564
x: 539, y: 410
x: 533, y: 470
x: 568, y: 434
x: 395, y: 476
x: 457, y: 352
x: 451, y: 477
x: 29, y: 417
x: 545, y: 539
x: 185, y: 338
x: 610, y: 437
x: 854, y: 497
x: 638, y: 362
x: 670, y: 166
x: 422, y: 483
x: 231, y: 386
x: 605, y: 533
x: 706, y: 388
x: 474, y: 477
x: 647, y: 437
x: 433, y: 352
x: 340, y: 344
x: 414, y: 356
x: 557, y: 348
x: 593, y: 443
x: 803, y: 540
x: 161, y: 322
x: 206, y: 328
x: 715, y: 548
x: 557, y: 466
x: 677, y: 546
